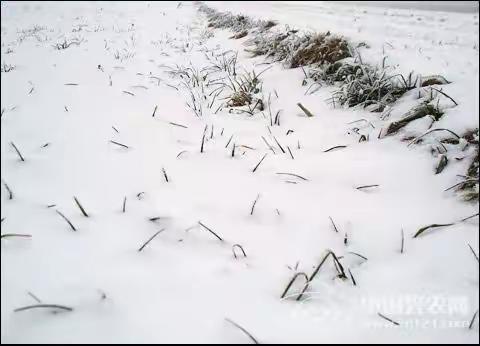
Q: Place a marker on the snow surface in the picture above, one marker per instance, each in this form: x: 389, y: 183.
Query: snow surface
x: 448, y: 6
x: 185, y: 283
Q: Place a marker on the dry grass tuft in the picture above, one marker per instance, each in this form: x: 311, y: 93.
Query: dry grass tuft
x: 418, y: 112
x: 322, y: 48
x: 239, y: 98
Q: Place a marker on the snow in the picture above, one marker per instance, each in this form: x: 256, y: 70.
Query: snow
x: 444, y: 6
x: 184, y: 284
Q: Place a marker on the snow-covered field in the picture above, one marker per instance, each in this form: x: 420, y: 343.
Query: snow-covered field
x: 115, y: 83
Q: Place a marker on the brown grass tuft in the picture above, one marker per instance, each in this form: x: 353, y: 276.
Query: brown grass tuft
x: 323, y: 48
x: 239, y: 98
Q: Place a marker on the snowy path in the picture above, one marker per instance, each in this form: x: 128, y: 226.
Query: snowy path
x: 184, y: 284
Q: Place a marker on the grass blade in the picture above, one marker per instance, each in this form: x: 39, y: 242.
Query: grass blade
x: 423, y: 229
x: 11, y: 235
x: 306, y: 111
x: 150, y: 239
x: 468, y: 218
x: 294, y: 175
x: 388, y: 319
x: 226, y: 146
x: 473, y: 251
x: 203, y: 142
x: 10, y: 193
x: 120, y: 144
x: 67, y: 220
x: 165, y: 174
x: 238, y: 246
x: 281, y: 148
x: 291, y: 155
x: 403, y: 242
x: 333, y: 223
x: 34, y: 297
x: 254, y: 203
x: 335, y: 147
x: 470, y: 326
x: 351, y: 277
x: 18, y: 151
x: 212, y: 232
x: 292, y: 281
x: 258, y: 164
x: 44, y: 306
x: 243, y: 330
x: 179, y: 125
x: 366, y: 186
x: 80, y: 206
